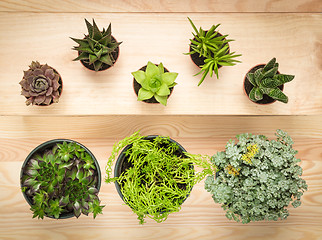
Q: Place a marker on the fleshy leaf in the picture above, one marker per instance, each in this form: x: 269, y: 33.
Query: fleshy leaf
x: 139, y: 76
x: 161, y: 99
x: 144, y: 94
x: 169, y: 77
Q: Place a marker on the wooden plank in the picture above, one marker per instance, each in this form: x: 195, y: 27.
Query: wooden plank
x: 199, y: 217
x: 162, y: 6
x: 188, y: 127
x: 162, y: 38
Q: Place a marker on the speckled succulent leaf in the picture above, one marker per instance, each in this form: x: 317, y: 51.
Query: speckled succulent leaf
x: 267, y: 80
x: 40, y: 84
x: 97, y: 47
x: 277, y: 94
x: 269, y: 65
x: 283, y: 78
x: 154, y: 82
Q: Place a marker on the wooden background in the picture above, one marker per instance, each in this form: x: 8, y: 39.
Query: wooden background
x: 98, y: 109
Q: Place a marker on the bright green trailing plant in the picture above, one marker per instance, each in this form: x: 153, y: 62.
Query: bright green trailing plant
x: 257, y: 178
x: 266, y: 80
x: 62, y: 180
x: 97, y: 47
x: 160, y: 176
x: 214, y: 47
x: 155, y: 83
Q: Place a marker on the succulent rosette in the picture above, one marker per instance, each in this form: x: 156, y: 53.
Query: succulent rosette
x: 41, y: 84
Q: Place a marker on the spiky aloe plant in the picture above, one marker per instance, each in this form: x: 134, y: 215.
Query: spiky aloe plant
x: 266, y: 80
x: 61, y: 180
x: 97, y: 47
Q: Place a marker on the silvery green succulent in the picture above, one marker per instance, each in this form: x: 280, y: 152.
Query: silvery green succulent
x: 257, y: 178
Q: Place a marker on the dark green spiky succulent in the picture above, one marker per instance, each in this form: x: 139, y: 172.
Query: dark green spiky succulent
x: 266, y: 80
x: 97, y: 47
x: 62, y: 180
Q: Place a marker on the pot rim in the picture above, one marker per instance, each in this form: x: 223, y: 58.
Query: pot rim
x: 51, y: 143
x: 121, y: 157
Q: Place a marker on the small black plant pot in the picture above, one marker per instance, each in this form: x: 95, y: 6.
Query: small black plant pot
x: 122, y: 163
x: 248, y: 87
x: 49, y: 145
x: 137, y: 86
x: 200, y: 60
x: 104, y: 66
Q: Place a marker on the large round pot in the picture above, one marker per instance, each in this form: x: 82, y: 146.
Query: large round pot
x: 49, y: 145
x: 122, y: 164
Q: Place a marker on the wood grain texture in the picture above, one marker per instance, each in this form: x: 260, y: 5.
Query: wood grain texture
x: 199, y: 217
x: 162, y: 6
x: 294, y: 39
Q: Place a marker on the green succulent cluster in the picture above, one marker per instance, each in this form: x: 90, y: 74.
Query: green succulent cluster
x: 266, y: 80
x: 97, y: 47
x: 62, y: 180
x: 214, y: 47
x: 160, y: 176
x: 155, y: 82
x: 257, y: 178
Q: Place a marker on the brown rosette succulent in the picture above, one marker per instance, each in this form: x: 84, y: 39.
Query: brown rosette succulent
x: 41, y: 84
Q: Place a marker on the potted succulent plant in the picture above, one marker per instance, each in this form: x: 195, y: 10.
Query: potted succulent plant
x: 257, y: 178
x: 41, y: 85
x: 209, y: 50
x: 154, y: 174
x: 263, y: 84
x: 61, y: 179
x: 154, y: 83
x: 98, y: 50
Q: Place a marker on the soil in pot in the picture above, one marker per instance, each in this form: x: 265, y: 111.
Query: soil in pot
x: 41, y: 150
x: 137, y: 87
x: 248, y: 87
x: 123, y: 165
x: 104, y: 66
x: 200, y: 60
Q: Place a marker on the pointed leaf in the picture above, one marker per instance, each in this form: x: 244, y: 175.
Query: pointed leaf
x: 270, y: 73
x: 106, y: 59
x: 89, y: 28
x: 283, y: 78
x: 151, y: 70
x: 144, y: 94
x: 139, y: 76
x: 97, y: 35
x: 92, y: 58
x: 169, y: 77
x: 269, y: 65
x: 164, y: 90
x: 97, y: 65
x: 161, y: 99
x: 258, y: 94
x: 252, y: 94
x: 250, y: 77
x: 277, y: 94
